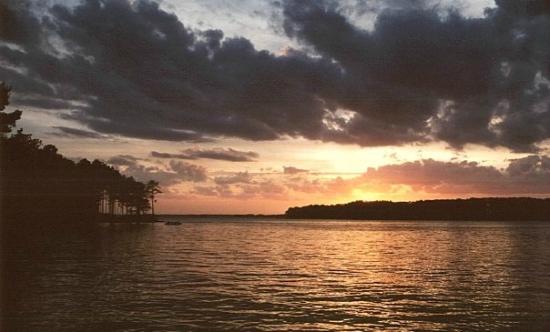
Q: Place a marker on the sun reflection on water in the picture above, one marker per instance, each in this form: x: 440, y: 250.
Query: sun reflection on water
x: 298, y: 275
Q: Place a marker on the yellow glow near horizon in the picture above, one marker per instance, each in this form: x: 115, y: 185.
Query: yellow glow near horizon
x: 325, y: 164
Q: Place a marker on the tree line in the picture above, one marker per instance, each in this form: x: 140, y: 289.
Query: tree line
x: 40, y: 185
x: 489, y: 209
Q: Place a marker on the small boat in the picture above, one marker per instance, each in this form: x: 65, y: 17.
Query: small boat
x: 172, y: 223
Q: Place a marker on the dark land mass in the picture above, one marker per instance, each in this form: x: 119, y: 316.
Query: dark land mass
x: 41, y: 190
x: 482, y: 209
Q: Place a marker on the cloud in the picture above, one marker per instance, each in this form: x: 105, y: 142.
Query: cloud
x: 424, y: 73
x: 164, y: 155
x: 420, y: 74
x: 123, y: 160
x: 240, y: 177
x: 205, y: 191
x: 173, y: 173
x: 266, y: 188
x: 524, y: 176
x: 144, y: 74
x: 189, y: 172
x: 228, y: 154
x: 293, y: 170
x: 423, y: 178
x: 68, y: 132
x: 222, y: 154
x: 166, y: 177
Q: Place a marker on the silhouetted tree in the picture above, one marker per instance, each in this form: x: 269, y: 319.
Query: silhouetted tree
x: 7, y: 120
x: 152, y: 188
x: 40, y: 185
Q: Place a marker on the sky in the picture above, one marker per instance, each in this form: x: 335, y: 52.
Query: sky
x: 255, y: 106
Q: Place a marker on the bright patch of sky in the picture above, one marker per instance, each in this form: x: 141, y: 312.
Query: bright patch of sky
x: 259, y: 20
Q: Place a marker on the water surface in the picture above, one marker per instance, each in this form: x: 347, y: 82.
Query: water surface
x: 285, y: 275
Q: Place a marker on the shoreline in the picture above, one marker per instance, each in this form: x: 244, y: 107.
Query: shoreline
x: 127, y: 219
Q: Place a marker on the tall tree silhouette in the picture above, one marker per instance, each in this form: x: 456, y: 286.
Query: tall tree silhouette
x: 152, y: 188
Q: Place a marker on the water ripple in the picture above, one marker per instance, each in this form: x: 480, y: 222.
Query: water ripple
x: 286, y: 275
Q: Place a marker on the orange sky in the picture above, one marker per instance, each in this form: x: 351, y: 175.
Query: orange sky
x: 316, y: 172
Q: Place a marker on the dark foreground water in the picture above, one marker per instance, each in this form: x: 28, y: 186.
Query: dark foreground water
x: 284, y: 275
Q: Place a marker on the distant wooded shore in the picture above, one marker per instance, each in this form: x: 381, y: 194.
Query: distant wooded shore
x: 482, y: 209
x: 471, y: 209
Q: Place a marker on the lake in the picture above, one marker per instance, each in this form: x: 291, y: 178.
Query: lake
x: 273, y: 275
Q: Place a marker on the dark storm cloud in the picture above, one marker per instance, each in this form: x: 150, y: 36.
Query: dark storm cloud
x: 68, y: 132
x: 228, y: 154
x: 145, y: 75
x: 424, y: 72
x: 17, y: 24
x: 420, y: 74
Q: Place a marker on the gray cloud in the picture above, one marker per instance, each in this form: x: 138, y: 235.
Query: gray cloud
x: 420, y: 74
x: 141, y: 172
x: 123, y: 160
x: 68, y: 132
x: 228, y: 154
x: 293, y: 170
x: 189, y: 172
x: 240, y: 177
x: 165, y: 155
x: 173, y: 173
x: 244, y: 190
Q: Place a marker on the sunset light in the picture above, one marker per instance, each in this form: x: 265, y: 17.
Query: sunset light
x: 275, y: 165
